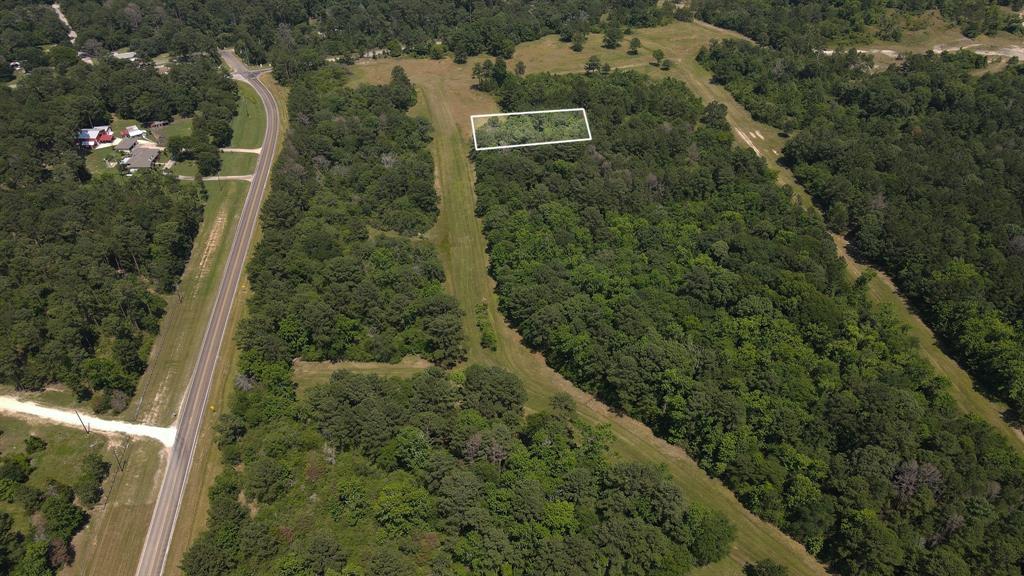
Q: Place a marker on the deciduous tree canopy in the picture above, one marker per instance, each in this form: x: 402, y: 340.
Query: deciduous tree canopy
x: 921, y: 166
x: 427, y: 476
x: 663, y: 269
x: 296, y: 36
x: 83, y: 260
x: 341, y: 272
x: 815, y: 23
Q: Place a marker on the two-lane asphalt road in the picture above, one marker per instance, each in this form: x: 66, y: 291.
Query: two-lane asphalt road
x: 194, y: 404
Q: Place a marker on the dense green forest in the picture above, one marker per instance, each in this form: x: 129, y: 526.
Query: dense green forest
x: 295, y: 36
x: 83, y: 260
x: 921, y: 166
x: 662, y: 268
x: 25, y: 26
x: 342, y: 271
x: 58, y: 511
x: 815, y: 23
x: 439, y: 474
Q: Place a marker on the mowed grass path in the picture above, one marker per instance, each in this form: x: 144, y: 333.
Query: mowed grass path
x: 681, y: 41
x: 309, y: 374
x: 446, y: 98
x: 251, y: 120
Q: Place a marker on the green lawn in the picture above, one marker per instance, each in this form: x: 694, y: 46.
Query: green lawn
x: 251, y: 121
x: 185, y: 168
x: 96, y: 161
x: 179, y: 127
x: 233, y: 164
x: 237, y: 163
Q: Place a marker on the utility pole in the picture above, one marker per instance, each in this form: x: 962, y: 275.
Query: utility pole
x: 84, y: 427
x: 122, y: 458
x: 117, y: 459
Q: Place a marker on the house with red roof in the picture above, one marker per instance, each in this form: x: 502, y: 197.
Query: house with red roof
x: 95, y: 136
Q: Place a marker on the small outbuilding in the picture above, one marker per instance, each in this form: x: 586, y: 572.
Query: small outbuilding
x: 133, y: 131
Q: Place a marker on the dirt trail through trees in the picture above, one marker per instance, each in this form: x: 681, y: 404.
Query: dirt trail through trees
x: 72, y: 35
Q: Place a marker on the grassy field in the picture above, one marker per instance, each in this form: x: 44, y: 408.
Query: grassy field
x: 309, y: 374
x: 237, y: 163
x: 232, y: 164
x: 249, y: 124
x: 182, y: 328
x: 446, y: 98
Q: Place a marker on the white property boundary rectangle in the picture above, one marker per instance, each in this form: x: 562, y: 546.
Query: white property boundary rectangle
x: 472, y: 123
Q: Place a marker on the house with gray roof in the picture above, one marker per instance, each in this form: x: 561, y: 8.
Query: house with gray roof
x: 141, y: 158
x: 126, y: 144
